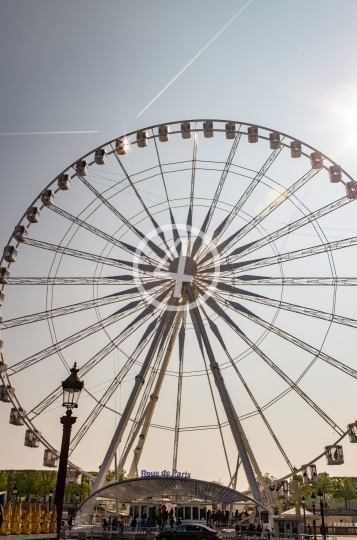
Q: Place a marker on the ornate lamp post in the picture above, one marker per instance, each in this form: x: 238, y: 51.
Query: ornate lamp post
x: 313, y: 497
x: 50, y: 496
x: 321, y: 495
x: 77, y: 500
x: 304, y: 507
x: 14, y: 492
x: 72, y: 387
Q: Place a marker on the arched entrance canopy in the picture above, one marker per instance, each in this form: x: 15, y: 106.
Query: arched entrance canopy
x: 141, y: 488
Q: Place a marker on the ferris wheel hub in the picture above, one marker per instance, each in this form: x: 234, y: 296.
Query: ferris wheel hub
x: 190, y: 268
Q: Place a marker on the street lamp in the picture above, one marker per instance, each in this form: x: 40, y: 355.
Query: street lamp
x: 72, y: 387
x: 321, y: 495
x: 313, y: 497
x: 50, y: 495
x: 14, y: 492
x: 303, y: 507
x: 77, y: 500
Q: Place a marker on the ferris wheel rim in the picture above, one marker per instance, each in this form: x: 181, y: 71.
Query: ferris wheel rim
x: 196, y: 130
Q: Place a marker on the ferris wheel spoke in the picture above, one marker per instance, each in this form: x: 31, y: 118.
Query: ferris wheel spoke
x: 125, y: 311
x: 88, y: 256
x: 239, y: 205
x: 288, y: 337
x: 156, y: 249
x: 101, y: 404
x: 198, y: 241
x: 215, y: 330
x: 192, y: 189
x: 109, y: 280
x: 153, y: 221
x: 301, y: 310
x: 288, y: 229
x: 95, y: 360
x: 294, y: 281
x: 227, y: 269
x: 172, y: 219
x: 81, y: 306
x: 219, y: 424
x: 235, y: 237
x: 227, y: 319
x: 181, y: 339
x: 123, y: 245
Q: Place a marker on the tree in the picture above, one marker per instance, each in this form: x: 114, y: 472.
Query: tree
x: 7, y: 480
x: 324, y: 482
x: 28, y: 482
x: 46, y: 481
x: 344, y: 488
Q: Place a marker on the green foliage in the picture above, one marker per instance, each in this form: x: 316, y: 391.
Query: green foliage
x: 28, y: 483
x: 344, y: 488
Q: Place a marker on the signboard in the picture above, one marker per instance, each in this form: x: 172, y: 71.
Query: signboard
x: 165, y: 473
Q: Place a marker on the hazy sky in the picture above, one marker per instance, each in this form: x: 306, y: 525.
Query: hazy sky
x: 91, y: 65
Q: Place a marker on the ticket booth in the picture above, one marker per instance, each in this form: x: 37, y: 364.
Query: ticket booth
x: 287, y: 527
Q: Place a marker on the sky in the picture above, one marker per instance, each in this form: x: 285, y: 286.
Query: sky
x: 95, y: 66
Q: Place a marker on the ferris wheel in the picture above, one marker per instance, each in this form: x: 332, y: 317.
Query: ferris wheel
x: 206, y: 282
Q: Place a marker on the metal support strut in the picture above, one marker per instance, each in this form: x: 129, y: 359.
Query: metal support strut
x: 236, y: 428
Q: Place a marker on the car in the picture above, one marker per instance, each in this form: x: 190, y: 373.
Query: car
x: 189, y: 532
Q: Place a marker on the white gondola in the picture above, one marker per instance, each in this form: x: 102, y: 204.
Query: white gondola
x: 47, y: 197
x: 186, y: 130
x: 334, y: 455
x: 33, y: 214
x: 230, y: 130
x: 32, y: 438
x: 17, y: 417
x: 82, y: 167
x: 64, y: 182
x: 313, y: 473
x: 121, y: 147
x: 274, y: 139
x: 352, y: 433
x: 20, y: 233
x: 100, y: 156
x: 6, y: 393
x: 10, y: 253
x: 316, y: 160
x: 335, y: 174
x: 142, y: 139
x: 208, y: 129
x: 351, y: 190
x: 4, y: 275
x: 253, y: 134
x: 73, y: 476
x: 164, y: 133
x: 2, y: 297
x: 50, y: 459
x: 305, y: 476
x: 295, y: 149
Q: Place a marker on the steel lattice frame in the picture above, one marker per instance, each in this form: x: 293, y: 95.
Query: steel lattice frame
x: 193, y: 274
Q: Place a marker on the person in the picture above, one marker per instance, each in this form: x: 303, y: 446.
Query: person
x: 110, y: 523
x: 70, y: 523
x: 174, y: 525
x: 237, y: 528
x: 133, y: 523
x: 151, y: 522
x: 143, y: 522
x: 259, y: 529
x: 121, y: 526
x: 268, y: 532
x: 105, y: 524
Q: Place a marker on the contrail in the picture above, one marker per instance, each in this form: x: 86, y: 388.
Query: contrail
x: 48, y: 132
x: 197, y: 55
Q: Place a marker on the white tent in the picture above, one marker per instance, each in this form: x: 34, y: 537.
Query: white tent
x: 292, y: 512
